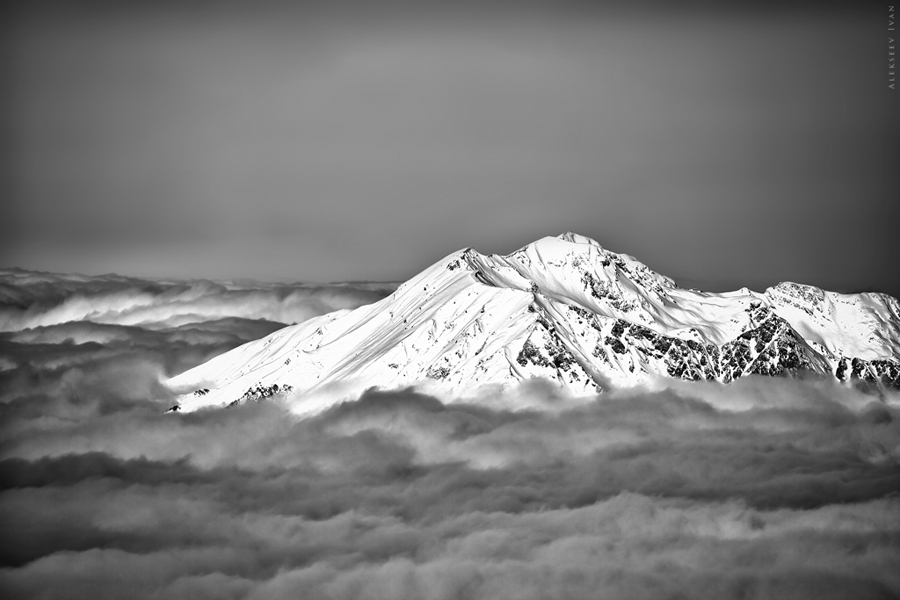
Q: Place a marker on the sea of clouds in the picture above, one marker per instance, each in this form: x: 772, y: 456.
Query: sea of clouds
x: 767, y: 488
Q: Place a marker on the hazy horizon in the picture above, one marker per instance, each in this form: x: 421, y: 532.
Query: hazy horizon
x: 703, y: 284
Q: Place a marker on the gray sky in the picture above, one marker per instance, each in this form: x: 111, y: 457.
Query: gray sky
x: 721, y: 147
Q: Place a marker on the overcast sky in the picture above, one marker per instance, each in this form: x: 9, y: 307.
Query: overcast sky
x: 722, y: 147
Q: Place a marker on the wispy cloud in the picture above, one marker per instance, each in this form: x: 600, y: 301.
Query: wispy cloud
x: 37, y: 300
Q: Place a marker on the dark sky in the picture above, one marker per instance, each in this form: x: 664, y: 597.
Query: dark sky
x: 721, y: 146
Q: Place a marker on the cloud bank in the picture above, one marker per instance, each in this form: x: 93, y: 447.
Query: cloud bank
x: 764, y: 488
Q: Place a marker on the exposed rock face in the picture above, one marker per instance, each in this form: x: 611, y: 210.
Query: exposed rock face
x: 261, y: 392
x: 566, y: 310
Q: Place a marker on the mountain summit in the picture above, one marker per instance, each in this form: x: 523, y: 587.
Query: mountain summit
x: 563, y: 309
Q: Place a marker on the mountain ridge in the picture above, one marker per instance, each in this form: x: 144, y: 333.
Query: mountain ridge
x: 563, y: 309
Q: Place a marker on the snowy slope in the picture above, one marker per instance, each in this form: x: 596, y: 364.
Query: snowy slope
x: 564, y: 309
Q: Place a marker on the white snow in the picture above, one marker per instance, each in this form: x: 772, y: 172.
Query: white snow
x: 463, y: 323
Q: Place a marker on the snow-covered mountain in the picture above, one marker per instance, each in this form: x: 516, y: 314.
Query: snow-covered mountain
x: 563, y: 309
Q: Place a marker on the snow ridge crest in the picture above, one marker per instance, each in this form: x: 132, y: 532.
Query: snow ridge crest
x: 562, y: 309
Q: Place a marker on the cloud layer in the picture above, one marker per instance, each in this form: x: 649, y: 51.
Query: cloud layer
x: 764, y: 488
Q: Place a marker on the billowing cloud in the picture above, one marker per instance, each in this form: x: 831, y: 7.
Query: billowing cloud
x: 763, y: 488
x: 29, y: 300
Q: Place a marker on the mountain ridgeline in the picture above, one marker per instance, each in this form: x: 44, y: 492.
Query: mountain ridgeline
x: 561, y: 309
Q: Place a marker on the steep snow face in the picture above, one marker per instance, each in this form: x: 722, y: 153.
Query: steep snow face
x: 866, y: 326
x: 562, y: 309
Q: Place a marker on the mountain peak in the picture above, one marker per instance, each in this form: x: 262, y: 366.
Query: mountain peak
x: 563, y: 309
x: 576, y: 238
